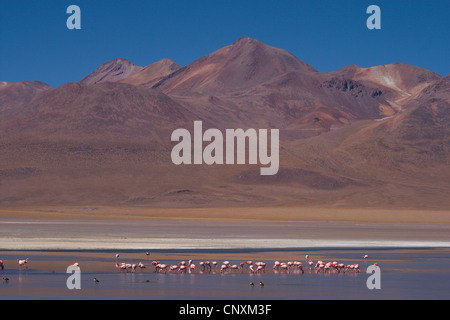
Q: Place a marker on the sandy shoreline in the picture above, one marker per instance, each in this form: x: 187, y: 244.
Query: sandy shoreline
x: 199, y: 244
x: 219, y: 228
x: 227, y: 214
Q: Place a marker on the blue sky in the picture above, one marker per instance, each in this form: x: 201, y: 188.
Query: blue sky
x: 35, y: 43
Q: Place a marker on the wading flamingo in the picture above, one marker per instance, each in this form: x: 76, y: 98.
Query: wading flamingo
x: 276, y: 265
x: 121, y: 266
x: 141, y: 265
x: 22, y: 262
x: 162, y: 266
x: 259, y: 268
x: 223, y: 267
x: 235, y: 267
x: 182, y: 268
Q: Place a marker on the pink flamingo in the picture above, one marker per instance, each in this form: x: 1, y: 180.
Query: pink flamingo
x: 141, y: 265
x: 290, y: 264
x: 22, y: 262
x: 121, y: 266
x: 260, y: 264
x: 234, y: 267
x: 320, y: 266
x: 125, y: 266
x: 223, y: 267
x: 259, y: 268
x: 182, y: 268
x: 162, y: 266
x: 284, y: 266
x: 207, y: 264
x: 353, y: 267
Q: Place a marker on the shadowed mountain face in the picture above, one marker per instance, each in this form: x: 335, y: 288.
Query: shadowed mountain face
x: 370, y: 137
x: 400, y: 82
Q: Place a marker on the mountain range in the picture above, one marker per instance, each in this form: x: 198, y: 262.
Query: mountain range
x: 354, y: 137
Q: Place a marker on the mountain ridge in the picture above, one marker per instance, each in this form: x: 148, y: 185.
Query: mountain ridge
x: 370, y: 137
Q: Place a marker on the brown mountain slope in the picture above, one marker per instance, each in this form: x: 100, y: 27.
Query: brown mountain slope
x: 241, y: 65
x: 153, y: 73
x: 103, y: 112
x: 15, y: 95
x: 348, y: 138
x: 112, y: 71
x: 240, y: 84
x: 402, y: 160
x: 399, y: 82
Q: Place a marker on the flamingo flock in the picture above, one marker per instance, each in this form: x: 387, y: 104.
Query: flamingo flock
x: 335, y: 267
x: 189, y: 266
x: 129, y: 267
x: 288, y: 266
x: 248, y: 266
